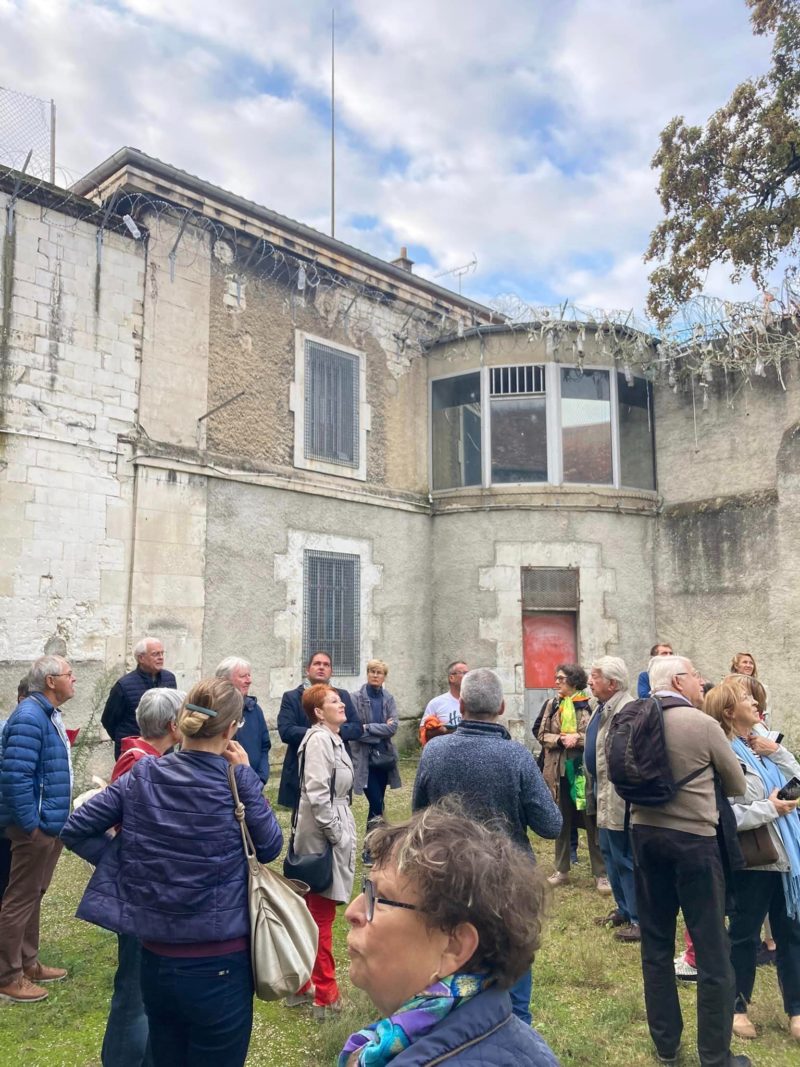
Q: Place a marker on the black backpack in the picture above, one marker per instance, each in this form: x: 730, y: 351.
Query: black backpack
x: 636, y: 755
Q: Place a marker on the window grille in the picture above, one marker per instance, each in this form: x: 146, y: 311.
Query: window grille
x: 331, y: 405
x: 549, y: 589
x: 331, y: 603
x: 516, y: 381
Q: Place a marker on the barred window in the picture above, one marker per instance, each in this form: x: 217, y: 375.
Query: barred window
x: 331, y: 603
x: 331, y: 405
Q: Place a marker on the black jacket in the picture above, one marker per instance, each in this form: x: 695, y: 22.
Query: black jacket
x: 292, y: 727
x: 119, y: 714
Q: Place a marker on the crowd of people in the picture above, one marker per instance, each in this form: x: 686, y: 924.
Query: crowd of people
x: 443, y: 932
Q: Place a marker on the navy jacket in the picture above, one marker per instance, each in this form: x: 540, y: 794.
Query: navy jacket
x: 643, y: 685
x: 482, y: 1032
x: 176, y: 871
x: 35, y: 786
x: 119, y: 714
x: 254, y: 737
x: 292, y: 727
x: 493, y: 776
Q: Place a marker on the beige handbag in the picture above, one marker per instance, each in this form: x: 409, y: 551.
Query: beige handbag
x: 283, y: 934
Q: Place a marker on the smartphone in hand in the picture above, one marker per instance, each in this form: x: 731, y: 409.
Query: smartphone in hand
x: 791, y: 791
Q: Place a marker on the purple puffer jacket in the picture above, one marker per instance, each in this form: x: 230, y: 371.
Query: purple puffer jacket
x: 176, y: 872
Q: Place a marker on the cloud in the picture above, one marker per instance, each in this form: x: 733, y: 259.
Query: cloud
x: 520, y: 130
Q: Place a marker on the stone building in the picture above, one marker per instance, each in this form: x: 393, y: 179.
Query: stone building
x: 226, y: 428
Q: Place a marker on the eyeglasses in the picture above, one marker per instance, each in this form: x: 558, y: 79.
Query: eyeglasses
x: 560, y: 678
x: 62, y: 674
x: 694, y: 674
x: 368, y: 889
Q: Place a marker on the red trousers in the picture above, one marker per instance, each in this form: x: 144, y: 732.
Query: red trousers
x: 323, y: 976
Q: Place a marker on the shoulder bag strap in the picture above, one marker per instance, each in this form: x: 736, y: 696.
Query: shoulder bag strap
x: 300, y: 771
x: 238, y: 811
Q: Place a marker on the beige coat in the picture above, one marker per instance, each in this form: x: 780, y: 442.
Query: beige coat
x: 610, y: 805
x: 318, y: 819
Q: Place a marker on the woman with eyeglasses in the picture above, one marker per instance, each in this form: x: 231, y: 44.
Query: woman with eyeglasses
x: 561, y: 734
x: 447, y: 921
x: 325, y: 816
x: 771, y: 889
x: 175, y: 877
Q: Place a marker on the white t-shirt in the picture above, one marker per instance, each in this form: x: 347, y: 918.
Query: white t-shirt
x: 446, y: 708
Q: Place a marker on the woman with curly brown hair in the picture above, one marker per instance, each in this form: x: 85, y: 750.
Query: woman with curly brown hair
x: 446, y: 923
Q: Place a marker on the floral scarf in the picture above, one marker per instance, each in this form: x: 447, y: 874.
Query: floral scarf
x: 380, y: 1042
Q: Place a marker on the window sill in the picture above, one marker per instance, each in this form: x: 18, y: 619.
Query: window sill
x: 554, y: 497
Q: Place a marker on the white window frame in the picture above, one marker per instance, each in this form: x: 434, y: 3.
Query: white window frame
x: 555, y: 464
x: 297, y: 396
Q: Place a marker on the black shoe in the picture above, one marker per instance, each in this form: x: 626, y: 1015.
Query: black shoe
x: 765, y: 955
x: 671, y: 1061
x: 739, y: 1061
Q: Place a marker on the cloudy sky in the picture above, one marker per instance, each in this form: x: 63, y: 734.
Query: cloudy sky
x: 516, y: 131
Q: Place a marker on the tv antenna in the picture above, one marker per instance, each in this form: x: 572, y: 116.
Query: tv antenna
x: 460, y: 272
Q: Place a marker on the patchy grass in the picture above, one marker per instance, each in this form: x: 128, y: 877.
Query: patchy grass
x: 587, y: 993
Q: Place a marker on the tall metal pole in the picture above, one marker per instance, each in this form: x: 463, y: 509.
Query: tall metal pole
x: 333, y: 127
x: 52, y: 142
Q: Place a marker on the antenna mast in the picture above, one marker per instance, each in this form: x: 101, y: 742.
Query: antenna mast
x: 333, y: 125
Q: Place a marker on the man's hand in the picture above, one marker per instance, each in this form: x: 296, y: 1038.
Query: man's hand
x: 234, y: 753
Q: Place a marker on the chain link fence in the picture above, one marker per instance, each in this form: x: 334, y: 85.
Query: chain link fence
x: 27, y: 124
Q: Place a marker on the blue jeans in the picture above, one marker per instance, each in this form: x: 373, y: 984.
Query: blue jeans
x: 125, y: 1040
x: 618, y: 856
x: 200, y: 1010
x: 520, y: 994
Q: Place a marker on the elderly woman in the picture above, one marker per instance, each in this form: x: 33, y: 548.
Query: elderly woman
x: 447, y: 921
x: 325, y: 817
x: 125, y: 1039
x: 176, y: 878
x: 774, y: 888
x: 253, y: 734
x: 374, y: 754
x: 561, y: 734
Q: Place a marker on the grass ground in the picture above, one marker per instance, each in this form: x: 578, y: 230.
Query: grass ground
x: 587, y: 993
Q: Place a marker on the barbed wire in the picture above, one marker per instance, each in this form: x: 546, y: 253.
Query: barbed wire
x: 708, y: 333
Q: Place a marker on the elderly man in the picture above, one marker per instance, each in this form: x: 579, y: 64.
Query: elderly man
x: 443, y: 713
x: 35, y: 796
x: 677, y: 865
x: 253, y: 734
x: 293, y: 724
x: 494, y: 778
x: 119, y: 714
x: 608, y: 681
x: 125, y: 1039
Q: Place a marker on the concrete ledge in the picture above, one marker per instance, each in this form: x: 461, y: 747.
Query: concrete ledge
x: 536, y: 497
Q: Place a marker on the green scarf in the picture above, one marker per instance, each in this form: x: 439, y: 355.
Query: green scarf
x: 574, y: 768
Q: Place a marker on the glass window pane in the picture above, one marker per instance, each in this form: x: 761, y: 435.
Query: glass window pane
x: 456, y: 426
x: 636, y: 453
x: 586, y: 426
x: 519, y: 439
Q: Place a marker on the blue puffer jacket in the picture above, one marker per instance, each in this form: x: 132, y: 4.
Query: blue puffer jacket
x: 176, y: 872
x: 35, y: 787
x: 480, y: 1033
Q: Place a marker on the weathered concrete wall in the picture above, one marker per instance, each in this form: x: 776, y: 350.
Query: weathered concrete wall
x: 70, y: 372
x: 726, y: 557
x: 476, y: 595
x: 252, y: 347
x: 255, y: 537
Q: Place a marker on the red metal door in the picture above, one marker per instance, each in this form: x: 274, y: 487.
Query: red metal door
x: 547, y: 640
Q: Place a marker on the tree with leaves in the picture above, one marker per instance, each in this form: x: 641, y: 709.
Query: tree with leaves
x: 729, y: 190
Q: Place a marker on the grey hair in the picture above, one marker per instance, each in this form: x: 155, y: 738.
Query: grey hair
x: 40, y: 668
x: 482, y: 692
x: 613, y: 669
x: 157, y: 709
x: 662, y: 669
x: 229, y: 665
x: 140, y: 648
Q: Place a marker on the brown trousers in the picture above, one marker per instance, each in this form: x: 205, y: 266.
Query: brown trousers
x: 33, y: 860
x: 580, y: 818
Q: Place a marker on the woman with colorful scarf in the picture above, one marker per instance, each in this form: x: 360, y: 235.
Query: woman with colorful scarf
x: 561, y: 735
x: 448, y: 919
x: 774, y: 889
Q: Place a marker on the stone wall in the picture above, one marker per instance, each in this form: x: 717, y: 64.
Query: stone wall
x: 70, y: 337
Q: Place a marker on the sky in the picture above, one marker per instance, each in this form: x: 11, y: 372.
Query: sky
x: 515, y: 132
